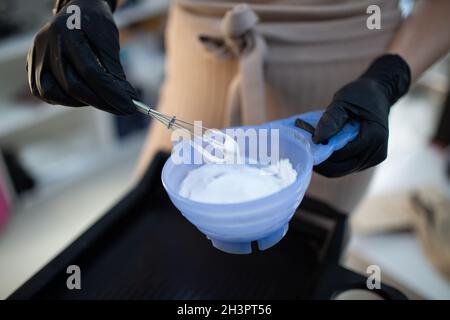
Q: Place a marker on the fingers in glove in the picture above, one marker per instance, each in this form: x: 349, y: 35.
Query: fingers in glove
x: 357, y: 146
x: 368, y: 150
x: 331, y: 122
x: 370, y: 145
x: 88, y: 67
x: 72, y: 84
x: 104, y: 43
x: 41, y: 81
x: 31, y: 72
x: 51, y: 92
x: 378, y: 156
x: 107, y: 49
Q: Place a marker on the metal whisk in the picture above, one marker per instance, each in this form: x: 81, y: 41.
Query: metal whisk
x: 195, y: 130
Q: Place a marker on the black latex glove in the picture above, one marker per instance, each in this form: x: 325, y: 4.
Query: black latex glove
x: 366, y: 100
x: 79, y: 67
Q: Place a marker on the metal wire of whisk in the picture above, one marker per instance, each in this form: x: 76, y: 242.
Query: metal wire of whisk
x: 173, y: 123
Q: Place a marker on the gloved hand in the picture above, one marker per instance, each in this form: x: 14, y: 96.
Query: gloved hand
x: 368, y: 101
x: 78, y: 67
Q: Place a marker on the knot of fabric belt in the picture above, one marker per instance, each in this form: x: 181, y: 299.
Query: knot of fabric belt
x: 237, y: 33
x: 239, y: 40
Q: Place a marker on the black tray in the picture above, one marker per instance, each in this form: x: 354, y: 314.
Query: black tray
x: 143, y: 248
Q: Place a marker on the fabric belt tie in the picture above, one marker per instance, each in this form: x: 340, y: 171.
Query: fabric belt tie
x: 239, y: 40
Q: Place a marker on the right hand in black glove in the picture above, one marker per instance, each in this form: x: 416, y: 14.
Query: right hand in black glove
x: 366, y: 100
x: 79, y: 67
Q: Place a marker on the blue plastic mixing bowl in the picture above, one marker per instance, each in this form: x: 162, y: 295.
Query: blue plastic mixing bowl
x: 232, y: 227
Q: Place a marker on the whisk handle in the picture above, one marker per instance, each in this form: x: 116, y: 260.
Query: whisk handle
x: 142, y: 107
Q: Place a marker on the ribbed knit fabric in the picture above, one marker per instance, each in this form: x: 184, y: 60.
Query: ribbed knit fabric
x: 226, y: 68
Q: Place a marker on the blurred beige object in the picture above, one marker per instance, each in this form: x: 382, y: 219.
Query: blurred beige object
x: 425, y: 210
x: 432, y: 222
x: 383, y: 213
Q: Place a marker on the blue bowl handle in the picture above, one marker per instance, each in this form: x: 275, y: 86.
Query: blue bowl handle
x: 321, y: 152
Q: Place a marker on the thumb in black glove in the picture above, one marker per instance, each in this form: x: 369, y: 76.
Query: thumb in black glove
x: 78, y: 67
x: 368, y: 101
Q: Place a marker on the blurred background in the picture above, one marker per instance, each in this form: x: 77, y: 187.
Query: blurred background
x: 54, y: 159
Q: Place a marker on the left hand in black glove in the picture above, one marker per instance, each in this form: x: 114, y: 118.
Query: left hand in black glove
x: 366, y: 100
x: 80, y: 66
